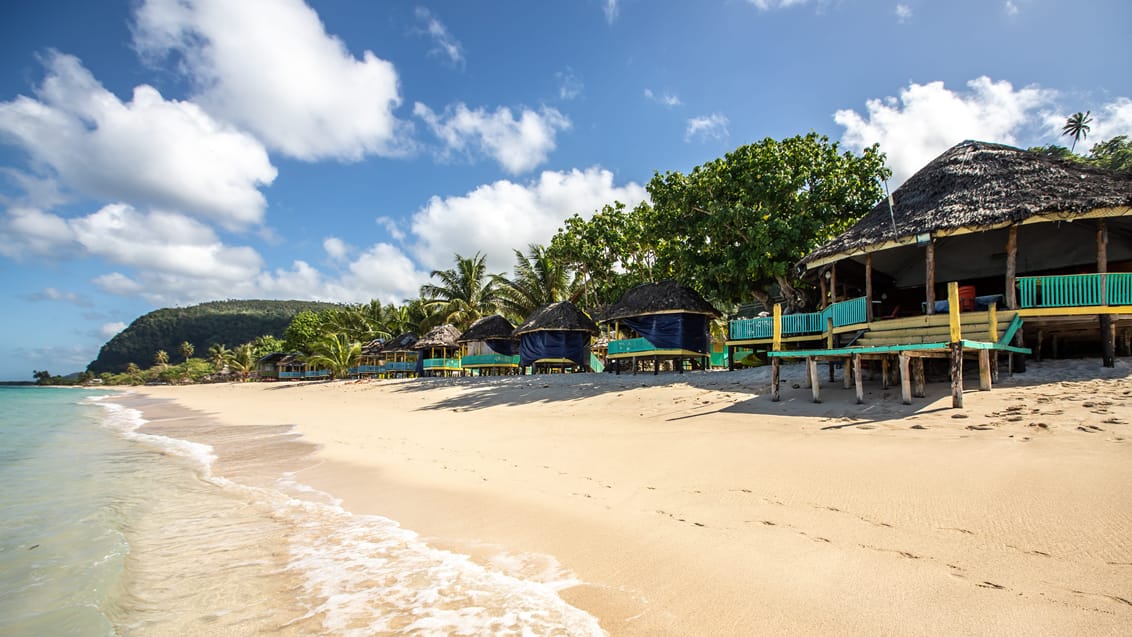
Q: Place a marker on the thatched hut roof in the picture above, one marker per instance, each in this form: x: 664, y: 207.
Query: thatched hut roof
x: 562, y: 316
x: 488, y: 327
x: 373, y: 347
x: 662, y: 297
x: 978, y: 186
x: 440, y: 336
x: 402, y: 343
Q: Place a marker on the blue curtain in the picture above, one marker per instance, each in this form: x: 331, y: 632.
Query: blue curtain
x: 548, y: 344
x: 674, y: 331
x: 504, y: 346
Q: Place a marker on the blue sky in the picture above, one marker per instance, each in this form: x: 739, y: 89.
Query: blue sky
x: 168, y: 152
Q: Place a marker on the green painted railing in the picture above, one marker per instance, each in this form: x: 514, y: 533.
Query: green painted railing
x: 441, y: 363
x: 1074, y: 290
x: 630, y: 345
x: 487, y: 360
x: 843, y: 313
x: 367, y: 369
x: 310, y: 373
x: 595, y: 364
x: 400, y: 366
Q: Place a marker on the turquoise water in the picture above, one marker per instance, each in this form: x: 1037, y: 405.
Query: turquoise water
x: 112, y: 525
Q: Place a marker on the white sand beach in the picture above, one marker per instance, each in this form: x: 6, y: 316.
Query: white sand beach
x: 693, y: 505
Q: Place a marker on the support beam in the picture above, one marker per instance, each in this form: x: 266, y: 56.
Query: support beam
x: 1012, y: 268
x: 954, y: 321
x: 824, y: 292
x: 956, y: 375
x: 929, y: 278
x: 1108, y: 337
x: 833, y: 284
x: 775, y: 377
x: 985, y: 370
x: 776, y: 340
x: 847, y: 375
x: 884, y: 370
x: 992, y: 323
x: 905, y: 380
x: 857, y: 378
x: 919, y: 379
x: 869, y: 287
x: 812, y: 369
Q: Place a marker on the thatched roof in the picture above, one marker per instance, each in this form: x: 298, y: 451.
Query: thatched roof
x: 440, y: 336
x: 373, y: 347
x: 980, y: 186
x: 662, y: 297
x: 562, y: 316
x: 402, y: 343
x: 488, y: 327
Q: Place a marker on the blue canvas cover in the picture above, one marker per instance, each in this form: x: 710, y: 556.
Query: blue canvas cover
x: 504, y: 346
x: 673, y: 331
x: 554, y: 344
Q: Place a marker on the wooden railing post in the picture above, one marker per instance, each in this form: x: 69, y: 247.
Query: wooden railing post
x: 1011, y: 267
x: 956, y: 345
x: 992, y: 320
x: 776, y: 341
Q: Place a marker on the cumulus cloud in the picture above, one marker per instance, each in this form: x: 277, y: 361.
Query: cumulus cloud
x: 1010, y: 7
x: 270, y: 67
x: 712, y: 126
x: 108, y: 330
x: 519, y: 144
x: 503, y: 216
x: 1110, y: 120
x: 443, y: 44
x: 152, y: 151
x: 927, y: 119
x: 769, y: 5
x: 54, y: 294
x: 664, y: 99
x: 336, y: 248
x: 903, y: 12
x: 612, y: 9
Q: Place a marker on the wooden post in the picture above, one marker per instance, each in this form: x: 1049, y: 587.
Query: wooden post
x: 992, y: 320
x: 821, y: 282
x: 929, y: 278
x: 884, y: 371
x: 847, y: 379
x: 730, y: 358
x: 869, y: 288
x: 829, y: 332
x: 985, y: 370
x: 1018, y: 361
x: 957, y: 375
x: 953, y: 312
x: 919, y: 379
x: 994, y: 366
x: 857, y: 378
x: 776, y: 341
x: 812, y: 370
x: 775, y: 375
x: 833, y: 284
x: 905, y: 380
x: 1011, y: 268
x: 1108, y: 341
x: 1038, y: 349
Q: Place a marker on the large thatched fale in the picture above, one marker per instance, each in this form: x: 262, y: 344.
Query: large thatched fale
x: 666, y: 296
x: 488, y: 328
x: 976, y: 187
x: 556, y: 334
x: 403, y: 343
x: 440, y: 337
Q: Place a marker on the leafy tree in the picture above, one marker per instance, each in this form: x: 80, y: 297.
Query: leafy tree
x: 133, y: 370
x: 611, y: 251
x: 1114, y: 154
x: 337, y: 353
x: 465, y: 293
x: 42, y: 377
x: 243, y: 360
x: 187, y: 350
x: 538, y: 280
x: 161, y: 358
x: 304, y: 329
x: 267, y: 344
x: 735, y: 226
x: 361, y: 323
x: 1077, y: 127
x: 219, y: 355
x: 1055, y: 151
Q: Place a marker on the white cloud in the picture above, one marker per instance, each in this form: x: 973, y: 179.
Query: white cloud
x: 391, y: 227
x: 1010, y: 7
x: 712, y: 126
x: 518, y: 144
x: 32, y: 232
x: 270, y: 67
x: 443, y: 43
x: 497, y: 218
x: 903, y: 12
x: 665, y: 99
x: 927, y: 119
x: 570, y: 86
x: 148, y: 151
x: 612, y: 9
x: 1112, y: 119
x: 54, y: 294
x: 108, y: 330
x: 336, y: 248
x: 769, y: 5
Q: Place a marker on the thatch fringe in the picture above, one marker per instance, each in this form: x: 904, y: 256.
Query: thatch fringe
x: 488, y: 327
x: 661, y: 297
x: 440, y: 336
x: 562, y: 316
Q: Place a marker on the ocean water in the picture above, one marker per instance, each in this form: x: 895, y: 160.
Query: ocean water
x: 110, y: 525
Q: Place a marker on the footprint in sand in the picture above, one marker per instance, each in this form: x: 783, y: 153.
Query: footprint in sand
x: 997, y: 587
x: 980, y: 427
x: 1089, y: 428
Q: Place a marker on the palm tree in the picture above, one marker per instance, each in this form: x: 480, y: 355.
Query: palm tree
x: 1077, y: 126
x: 538, y: 280
x: 161, y: 358
x: 187, y: 350
x: 465, y: 293
x: 132, y: 369
x: 219, y: 355
x: 243, y: 360
x: 337, y: 353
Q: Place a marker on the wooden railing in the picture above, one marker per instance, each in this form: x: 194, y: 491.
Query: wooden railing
x: 367, y: 369
x: 843, y: 313
x: 310, y: 373
x: 488, y: 360
x: 441, y: 363
x: 1075, y: 290
x: 630, y: 345
x: 400, y: 366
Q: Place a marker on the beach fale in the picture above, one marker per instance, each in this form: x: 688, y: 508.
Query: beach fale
x: 663, y: 321
x: 557, y: 336
x: 490, y: 347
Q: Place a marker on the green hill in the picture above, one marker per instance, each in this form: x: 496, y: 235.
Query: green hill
x: 227, y: 322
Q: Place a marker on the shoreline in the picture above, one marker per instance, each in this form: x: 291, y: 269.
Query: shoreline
x: 691, y: 504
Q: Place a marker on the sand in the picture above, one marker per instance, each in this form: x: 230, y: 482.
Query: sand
x: 693, y: 505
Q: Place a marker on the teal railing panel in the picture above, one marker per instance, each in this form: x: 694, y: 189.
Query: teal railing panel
x: 595, y: 364
x: 441, y: 363
x: 843, y: 313
x: 489, y: 360
x: 630, y: 345
x: 400, y: 366
x: 848, y: 312
x: 290, y: 374
x: 743, y: 329
x: 1118, y: 288
x: 367, y: 369
x: 1028, y: 291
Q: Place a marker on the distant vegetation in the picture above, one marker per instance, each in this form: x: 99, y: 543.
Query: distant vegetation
x: 228, y: 323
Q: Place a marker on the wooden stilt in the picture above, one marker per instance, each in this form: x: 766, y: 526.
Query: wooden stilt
x: 884, y: 365
x: 832, y: 364
x: 985, y: 370
x: 869, y: 287
x: 775, y: 376
x: 919, y: 379
x: 847, y: 376
x: 812, y: 368
x: 1108, y: 341
x: 905, y: 380
x: 857, y: 378
x: 1018, y: 361
x: 1011, y: 268
x: 1038, y: 349
x: 929, y: 278
x: 833, y: 283
x: 994, y: 363
x: 956, y: 375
